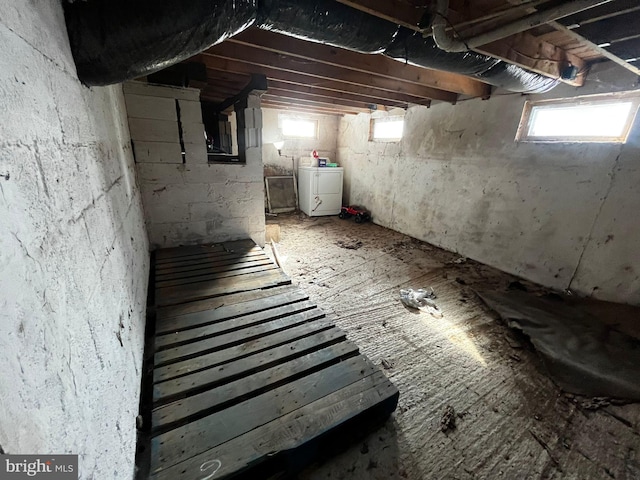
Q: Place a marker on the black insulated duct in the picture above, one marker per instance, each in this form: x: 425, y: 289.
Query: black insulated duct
x: 117, y: 40
x: 328, y: 22
x: 411, y: 47
x: 334, y: 23
x: 113, y: 40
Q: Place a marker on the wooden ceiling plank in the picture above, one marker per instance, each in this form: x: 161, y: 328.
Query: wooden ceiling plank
x: 301, y: 101
x: 602, y: 51
x: 227, y: 85
x: 601, y: 12
x: 262, y: 58
x: 612, y: 29
x: 307, y: 110
x: 276, y: 92
x: 324, y: 93
x: 627, y: 50
x: 394, y: 11
x: 317, y: 109
x: 304, y: 79
x: 375, y: 64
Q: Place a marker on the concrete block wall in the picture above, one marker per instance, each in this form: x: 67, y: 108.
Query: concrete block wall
x: 73, y: 254
x: 563, y: 215
x: 195, y: 201
x: 325, y: 144
x: 156, y: 116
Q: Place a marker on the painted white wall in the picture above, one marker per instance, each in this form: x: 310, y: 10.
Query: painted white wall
x: 73, y: 254
x: 195, y: 202
x: 297, y: 148
x: 562, y: 215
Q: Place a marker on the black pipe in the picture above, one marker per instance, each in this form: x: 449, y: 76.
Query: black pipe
x: 117, y: 40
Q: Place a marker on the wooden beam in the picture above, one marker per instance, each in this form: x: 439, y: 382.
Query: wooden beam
x: 270, y: 103
x: 603, y: 52
x: 330, y: 88
x: 258, y: 82
x: 318, y: 105
x: 324, y: 93
x: 611, y: 30
x: 538, y: 56
x: 289, y: 95
x: 523, y: 50
x: 379, y: 95
x: 230, y: 77
x: 394, y: 11
x: 292, y: 64
x: 374, y: 64
x: 299, y: 109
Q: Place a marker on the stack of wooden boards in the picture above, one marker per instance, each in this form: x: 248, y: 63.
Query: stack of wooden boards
x: 249, y: 376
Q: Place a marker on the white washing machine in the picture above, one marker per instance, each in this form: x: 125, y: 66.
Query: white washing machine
x: 320, y: 190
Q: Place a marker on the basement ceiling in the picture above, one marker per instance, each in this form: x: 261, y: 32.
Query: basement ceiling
x: 313, y: 77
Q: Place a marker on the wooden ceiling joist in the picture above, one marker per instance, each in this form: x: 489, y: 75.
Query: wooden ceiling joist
x: 395, y: 11
x: 288, y: 95
x: 299, y: 100
x: 262, y: 58
x: 371, y: 64
x: 315, y: 91
x: 523, y: 49
x: 296, y: 106
x: 605, y: 53
x: 315, y: 77
x: 306, y: 110
x: 332, y: 84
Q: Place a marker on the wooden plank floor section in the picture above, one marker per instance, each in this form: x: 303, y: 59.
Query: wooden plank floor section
x: 247, y: 373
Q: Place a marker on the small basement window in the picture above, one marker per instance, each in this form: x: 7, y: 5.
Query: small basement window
x: 298, y: 127
x: 387, y: 129
x: 595, y: 118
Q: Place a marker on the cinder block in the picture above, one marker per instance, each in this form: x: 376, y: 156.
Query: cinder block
x: 147, y: 130
x: 253, y: 101
x: 193, y: 133
x: 190, y: 112
x: 141, y: 106
x: 205, y: 212
x: 257, y: 117
x: 157, y: 152
x: 254, y: 156
x: 162, y: 213
x: 196, y: 152
x: 181, y: 93
x: 252, y: 137
x: 160, y: 173
x: 249, y: 121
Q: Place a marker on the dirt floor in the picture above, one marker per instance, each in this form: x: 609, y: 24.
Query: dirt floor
x: 511, y: 420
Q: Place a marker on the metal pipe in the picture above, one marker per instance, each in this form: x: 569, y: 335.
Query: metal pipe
x: 449, y: 44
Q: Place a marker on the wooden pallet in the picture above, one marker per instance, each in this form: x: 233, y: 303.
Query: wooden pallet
x: 248, y: 375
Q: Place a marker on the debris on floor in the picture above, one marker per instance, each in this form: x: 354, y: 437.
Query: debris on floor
x: 546, y: 447
x: 458, y: 260
x: 435, y: 364
x: 421, y: 299
x: 448, y: 420
x: 517, y: 286
x: 386, y: 364
x: 350, y: 244
x: 584, y: 355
